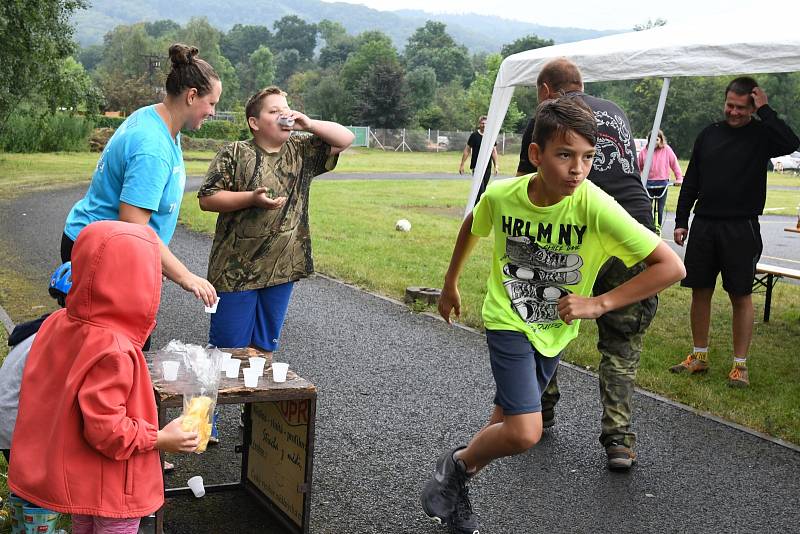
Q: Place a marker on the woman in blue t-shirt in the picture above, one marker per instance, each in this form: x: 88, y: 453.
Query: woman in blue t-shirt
x: 140, y: 175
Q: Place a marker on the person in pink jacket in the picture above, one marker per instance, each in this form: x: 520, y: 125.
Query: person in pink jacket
x: 664, y: 159
x: 86, y: 440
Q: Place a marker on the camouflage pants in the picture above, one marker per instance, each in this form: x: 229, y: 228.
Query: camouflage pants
x: 620, y: 335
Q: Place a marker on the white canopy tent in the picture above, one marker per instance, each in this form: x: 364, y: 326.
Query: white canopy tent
x: 750, y: 42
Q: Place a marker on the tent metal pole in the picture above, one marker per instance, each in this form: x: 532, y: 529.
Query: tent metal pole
x: 651, y: 143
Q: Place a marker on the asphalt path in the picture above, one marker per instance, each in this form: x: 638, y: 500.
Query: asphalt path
x: 397, y: 388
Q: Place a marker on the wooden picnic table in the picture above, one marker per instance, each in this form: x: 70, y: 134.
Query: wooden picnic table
x: 278, y: 436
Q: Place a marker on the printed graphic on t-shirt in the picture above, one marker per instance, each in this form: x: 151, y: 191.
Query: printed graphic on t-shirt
x: 615, y: 146
x: 537, y: 276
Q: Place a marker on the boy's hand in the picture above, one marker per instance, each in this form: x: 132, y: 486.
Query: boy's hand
x: 450, y: 300
x: 261, y: 200
x: 172, y: 438
x: 461, y: 169
x: 574, y: 307
x: 301, y: 122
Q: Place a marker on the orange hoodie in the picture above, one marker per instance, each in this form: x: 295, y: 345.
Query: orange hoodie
x: 85, y: 437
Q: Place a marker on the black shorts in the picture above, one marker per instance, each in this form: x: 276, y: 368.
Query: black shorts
x: 728, y: 246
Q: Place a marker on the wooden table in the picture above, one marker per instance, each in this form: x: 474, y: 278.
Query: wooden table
x: 278, y: 443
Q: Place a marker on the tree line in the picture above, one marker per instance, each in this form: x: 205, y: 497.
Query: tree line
x: 433, y: 83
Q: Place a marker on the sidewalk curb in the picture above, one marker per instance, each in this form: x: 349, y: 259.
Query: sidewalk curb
x: 6, y: 320
x: 649, y: 394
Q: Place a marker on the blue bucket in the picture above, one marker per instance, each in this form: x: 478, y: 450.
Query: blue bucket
x: 39, y: 520
x: 17, y: 517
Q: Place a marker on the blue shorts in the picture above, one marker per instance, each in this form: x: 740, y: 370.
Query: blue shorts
x: 250, y: 318
x: 520, y: 372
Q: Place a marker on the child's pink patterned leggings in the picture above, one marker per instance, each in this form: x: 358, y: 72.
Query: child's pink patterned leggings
x: 92, y: 524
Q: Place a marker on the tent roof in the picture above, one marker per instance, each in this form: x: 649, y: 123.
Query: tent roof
x: 730, y: 44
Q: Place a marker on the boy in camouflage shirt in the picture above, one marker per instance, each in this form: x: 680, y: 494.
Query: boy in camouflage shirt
x: 262, y: 243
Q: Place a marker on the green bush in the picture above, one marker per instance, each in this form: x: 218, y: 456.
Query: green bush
x: 25, y: 132
x: 223, y: 130
x: 108, y: 122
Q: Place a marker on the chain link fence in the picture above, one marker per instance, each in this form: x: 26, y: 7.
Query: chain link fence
x: 405, y: 140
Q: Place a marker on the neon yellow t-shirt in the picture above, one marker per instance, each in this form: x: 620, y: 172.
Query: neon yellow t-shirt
x: 544, y: 253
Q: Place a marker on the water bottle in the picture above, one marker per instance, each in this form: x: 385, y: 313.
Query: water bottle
x: 286, y: 121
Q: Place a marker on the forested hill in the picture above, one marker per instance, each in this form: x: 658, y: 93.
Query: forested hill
x: 478, y: 33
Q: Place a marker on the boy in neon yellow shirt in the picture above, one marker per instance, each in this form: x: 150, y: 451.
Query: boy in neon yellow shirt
x: 552, y: 233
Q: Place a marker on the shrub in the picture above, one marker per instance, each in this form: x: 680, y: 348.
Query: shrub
x: 108, y: 122
x: 25, y: 132
x: 223, y: 130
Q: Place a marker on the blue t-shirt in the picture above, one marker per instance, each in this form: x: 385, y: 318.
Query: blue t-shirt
x: 142, y: 166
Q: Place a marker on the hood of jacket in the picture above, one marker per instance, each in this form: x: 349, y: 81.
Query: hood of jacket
x: 116, y: 272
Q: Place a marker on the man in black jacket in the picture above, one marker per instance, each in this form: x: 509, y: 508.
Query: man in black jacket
x: 726, y: 182
x: 620, y: 332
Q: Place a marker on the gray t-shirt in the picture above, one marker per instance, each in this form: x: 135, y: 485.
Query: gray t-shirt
x: 10, y: 382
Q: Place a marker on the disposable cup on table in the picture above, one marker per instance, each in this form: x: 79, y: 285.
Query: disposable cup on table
x: 251, y: 377
x: 171, y: 370
x: 232, y: 368
x: 225, y: 357
x: 279, y: 371
x: 257, y: 362
x: 196, y: 485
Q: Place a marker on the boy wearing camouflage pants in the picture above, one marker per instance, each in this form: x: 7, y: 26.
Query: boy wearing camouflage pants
x: 262, y: 243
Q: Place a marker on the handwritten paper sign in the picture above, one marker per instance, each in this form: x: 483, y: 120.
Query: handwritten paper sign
x: 278, y: 447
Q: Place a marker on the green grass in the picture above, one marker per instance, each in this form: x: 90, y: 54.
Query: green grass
x: 354, y: 240
x: 21, y: 173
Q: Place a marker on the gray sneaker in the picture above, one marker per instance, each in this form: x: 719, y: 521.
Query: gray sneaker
x: 442, y: 492
x: 464, y: 520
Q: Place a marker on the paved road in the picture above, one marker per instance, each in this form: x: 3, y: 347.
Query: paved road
x: 395, y: 388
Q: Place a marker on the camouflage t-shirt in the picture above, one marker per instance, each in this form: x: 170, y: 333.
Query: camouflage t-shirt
x: 255, y: 247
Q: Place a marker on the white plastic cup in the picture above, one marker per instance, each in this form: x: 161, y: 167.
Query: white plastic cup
x: 225, y: 357
x: 171, y: 370
x: 251, y: 377
x: 279, y: 371
x: 232, y: 368
x: 196, y: 485
x: 212, y: 309
x: 257, y: 362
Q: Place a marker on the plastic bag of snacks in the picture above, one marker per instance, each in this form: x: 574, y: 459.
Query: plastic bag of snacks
x: 200, y: 387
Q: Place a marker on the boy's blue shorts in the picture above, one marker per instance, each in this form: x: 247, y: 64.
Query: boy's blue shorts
x: 520, y: 372
x: 250, y: 318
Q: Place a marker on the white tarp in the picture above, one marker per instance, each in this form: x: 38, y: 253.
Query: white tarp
x: 764, y: 42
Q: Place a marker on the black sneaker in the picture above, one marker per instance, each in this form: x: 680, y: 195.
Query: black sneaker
x: 464, y: 520
x: 620, y: 457
x: 442, y: 492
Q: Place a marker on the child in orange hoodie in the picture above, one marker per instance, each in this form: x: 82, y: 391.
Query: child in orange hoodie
x: 86, y: 440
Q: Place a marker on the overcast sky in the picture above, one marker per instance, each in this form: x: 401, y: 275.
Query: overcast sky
x: 594, y: 14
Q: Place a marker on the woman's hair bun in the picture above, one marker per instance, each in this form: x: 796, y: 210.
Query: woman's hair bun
x: 181, y: 54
